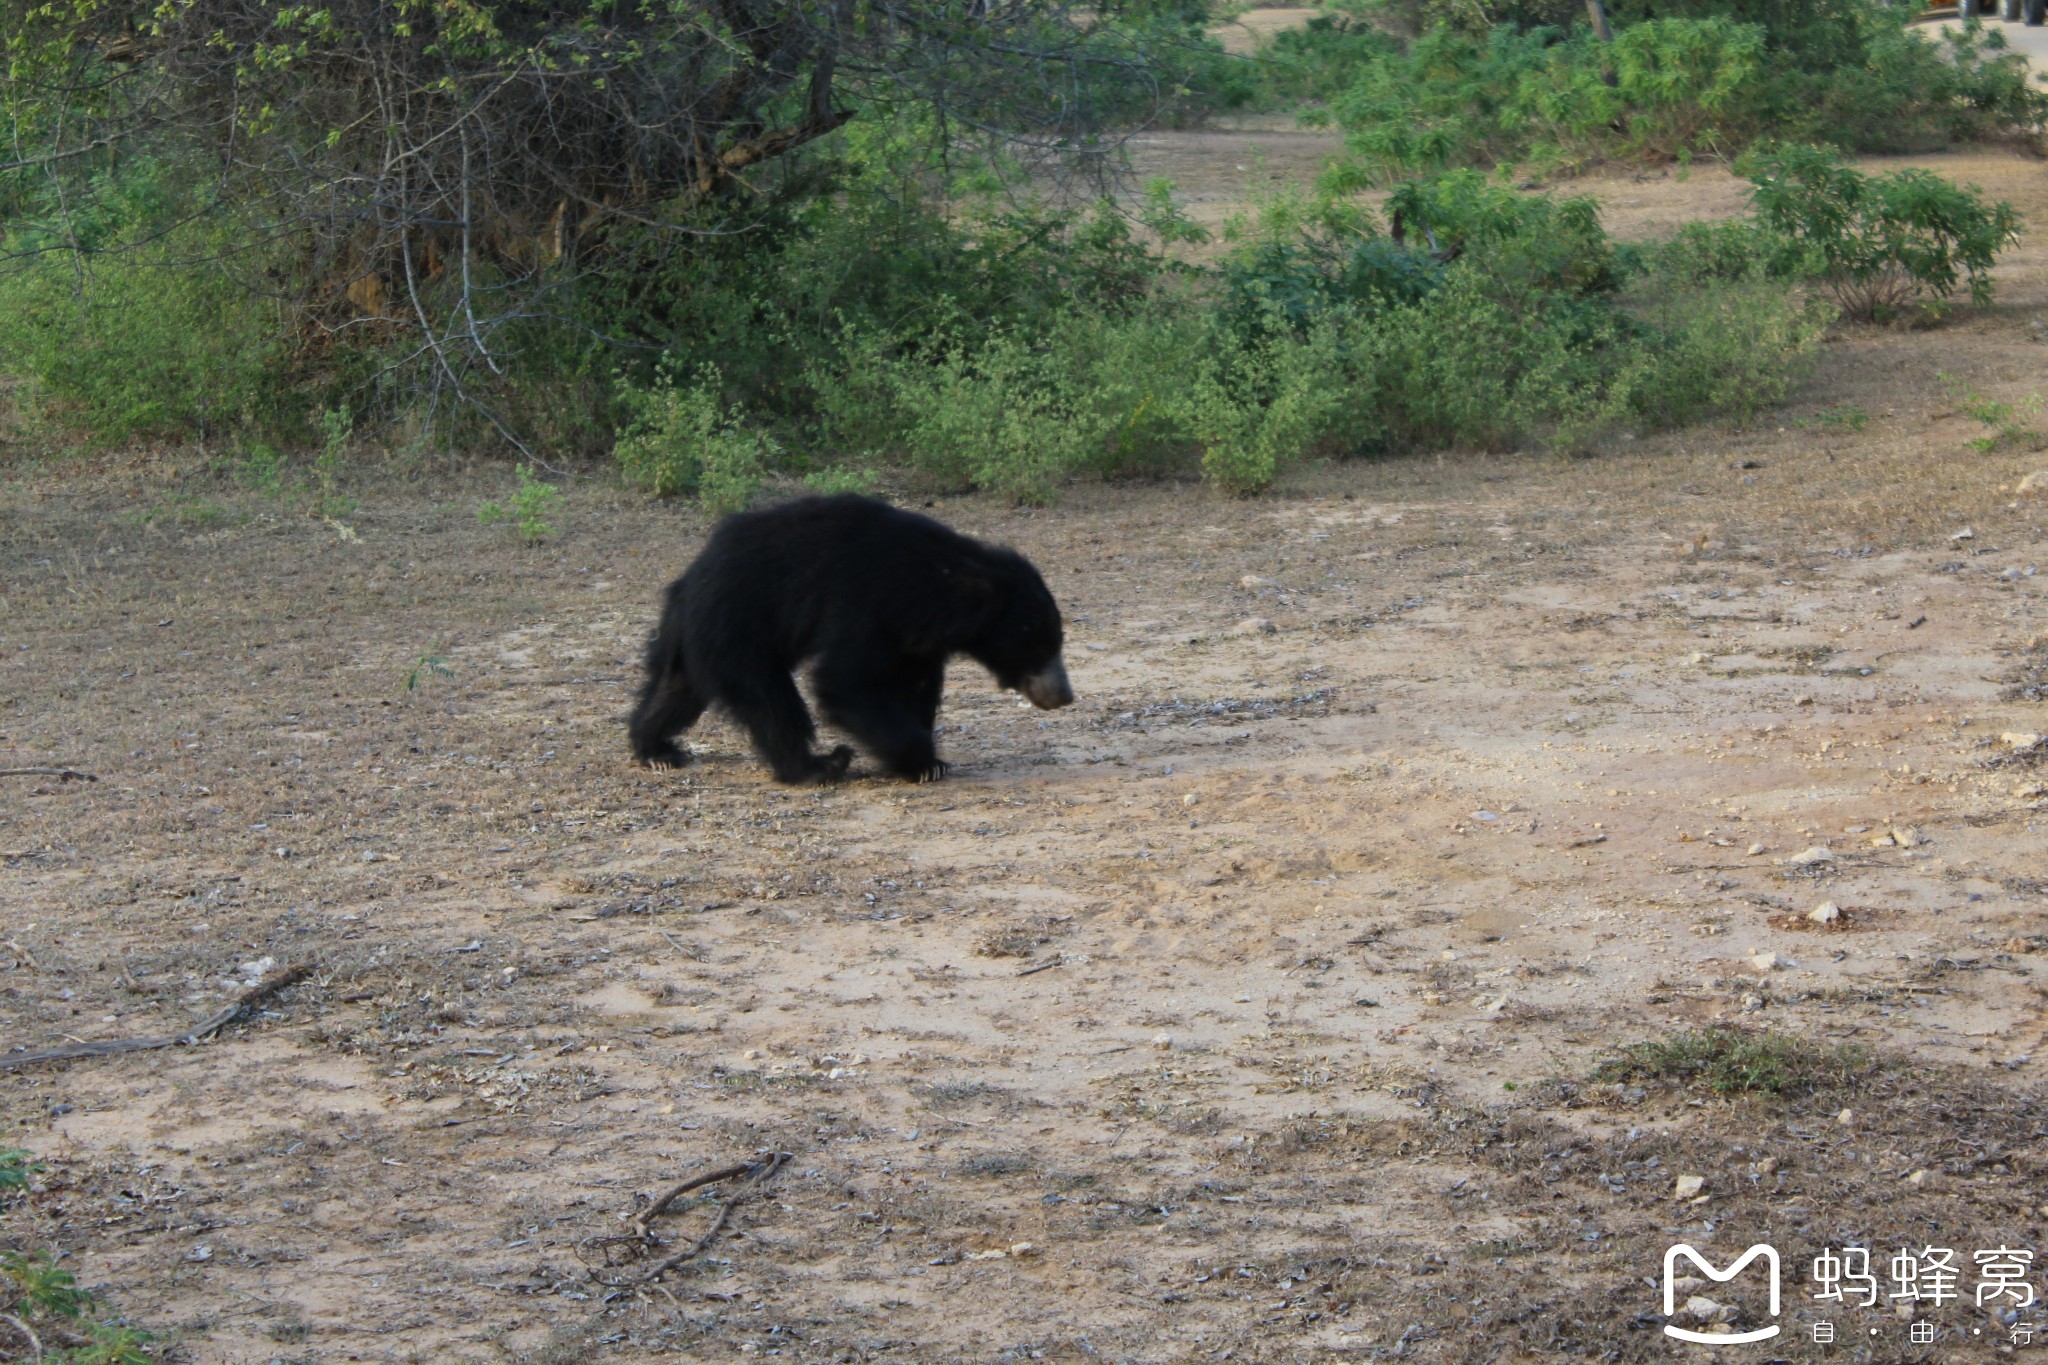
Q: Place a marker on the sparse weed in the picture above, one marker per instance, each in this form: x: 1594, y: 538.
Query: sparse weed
x: 431, y: 664
x: 1730, y: 1062
x: 1848, y: 416
x: 2010, y: 423
x: 528, y: 509
x: 337, y: 428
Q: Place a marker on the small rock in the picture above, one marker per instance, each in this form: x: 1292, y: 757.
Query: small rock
x: 1909, y: 837
x: 1847, y: 1118
x: 2021, y: 742
x: 2035, y: 483
x: 1917, y: 1178
x: 1812, y: 857
x: 1756, y: 850
x: 1827, y: 912
x: 1162, y: 1040
x: 1965, y: 534
x: 1253, y: 581
x: 1883, y: 841
x: 1767, y: 1165
x: 2029, y: 791
x: 1254, y: 625
x: 1764, y: 961
x: 1688, y: 1186
x: 1700, y: 1308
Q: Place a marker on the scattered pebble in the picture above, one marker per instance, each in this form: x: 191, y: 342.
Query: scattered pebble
x: 1756, y: 850
x: 1812, y: 857
x: 1688, y: 1186
x: 1827, y: 912
x: 1764, y: 961
x: 1254, y: 625
x: 1162, y: 1040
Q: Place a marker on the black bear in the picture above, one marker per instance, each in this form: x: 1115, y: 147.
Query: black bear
x: 877, y: 599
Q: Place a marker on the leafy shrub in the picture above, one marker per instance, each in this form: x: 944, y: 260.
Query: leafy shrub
x: 142, y: 337
x: 1697, y: 76
x: 1878, y: 244
x: 683, y: 439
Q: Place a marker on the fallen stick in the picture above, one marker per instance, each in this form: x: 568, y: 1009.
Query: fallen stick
x: 68, y: 774
x: 756, y: 1173
x: 255, y: 995
x: 1044, y: 966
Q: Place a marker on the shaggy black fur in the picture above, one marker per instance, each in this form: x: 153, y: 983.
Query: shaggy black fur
x: 876, y: 599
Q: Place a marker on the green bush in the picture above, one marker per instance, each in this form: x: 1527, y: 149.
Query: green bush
x: 142, y: 337
x: 682, y: 438
x: 1877, y: 244
x: 1701, y: 76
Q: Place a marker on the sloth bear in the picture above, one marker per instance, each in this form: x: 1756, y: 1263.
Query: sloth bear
x: 877, y: 599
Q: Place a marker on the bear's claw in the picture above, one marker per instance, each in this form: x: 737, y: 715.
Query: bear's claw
x: 668, y: 756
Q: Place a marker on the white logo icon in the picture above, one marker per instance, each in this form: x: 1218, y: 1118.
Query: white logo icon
x: 1770, y: 1258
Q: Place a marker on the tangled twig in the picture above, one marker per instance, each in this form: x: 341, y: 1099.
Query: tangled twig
x: 753, y: 1174
x: 255, y: 995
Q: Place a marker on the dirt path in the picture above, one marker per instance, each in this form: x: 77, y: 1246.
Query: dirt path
x: 1334, y: 921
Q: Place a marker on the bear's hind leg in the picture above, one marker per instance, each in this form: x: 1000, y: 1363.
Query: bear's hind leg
x: 669, y: 704
x: 890, y: 714
x: 773, y: 712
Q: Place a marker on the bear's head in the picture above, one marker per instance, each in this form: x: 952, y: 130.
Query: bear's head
x: 1018, y: 635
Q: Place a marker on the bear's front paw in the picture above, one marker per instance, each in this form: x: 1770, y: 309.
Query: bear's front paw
x: 667, y: 756
x: 833, y: 766
x: 935, y: 772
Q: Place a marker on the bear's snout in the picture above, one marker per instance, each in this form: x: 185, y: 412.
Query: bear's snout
x: 1048, y: 688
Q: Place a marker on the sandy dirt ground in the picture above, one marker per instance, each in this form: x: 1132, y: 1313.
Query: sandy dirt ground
x: 1252, y: 1008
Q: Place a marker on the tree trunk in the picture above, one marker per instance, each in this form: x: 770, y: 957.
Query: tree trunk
x: 1597, y: 12
x: 2014, y: 9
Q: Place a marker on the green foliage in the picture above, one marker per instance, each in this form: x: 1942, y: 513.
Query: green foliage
x: 124, y: 315
x: 39, y: 1296
x: 1848, y: 416
x: 1505, y: 81
x: 431, y: 664
x: 1662, y: 88
x: 2010, y: 423
x: 17, y: 1167
x: 1878, y: 244
x: 1729, y: 1062
x: 529, y: 509
x: 682, y: 439
x: 840, y: 479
